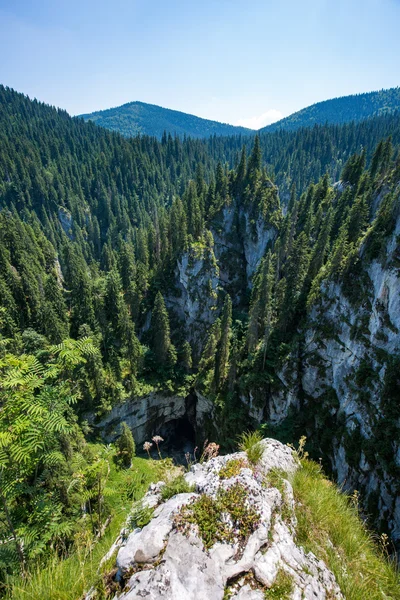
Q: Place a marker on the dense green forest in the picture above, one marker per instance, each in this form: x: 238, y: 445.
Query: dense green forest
x: 91, y: 228
x: 137, y: 118
x: 341, y: 110
x: 140, y: 118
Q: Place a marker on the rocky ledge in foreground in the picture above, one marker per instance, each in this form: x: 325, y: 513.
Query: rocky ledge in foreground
x: 232, y: 537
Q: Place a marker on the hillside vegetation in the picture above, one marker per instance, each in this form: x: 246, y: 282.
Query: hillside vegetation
x: 341, y: 110
x: 136, y: 118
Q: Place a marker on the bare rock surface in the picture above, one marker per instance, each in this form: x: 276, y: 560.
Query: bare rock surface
x: 162, y: 562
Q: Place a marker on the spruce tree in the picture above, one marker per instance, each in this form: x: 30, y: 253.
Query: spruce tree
x: 126, y: 446
x: 222, y: 356
x: 160, y: 330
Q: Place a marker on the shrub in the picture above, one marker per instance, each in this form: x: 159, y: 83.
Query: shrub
x: 249, y: 442
x: 126, y: 446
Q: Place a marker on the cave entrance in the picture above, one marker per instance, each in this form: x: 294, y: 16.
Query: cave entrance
x: 179, y: 438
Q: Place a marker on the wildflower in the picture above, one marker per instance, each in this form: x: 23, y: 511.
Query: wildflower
x: 147, y: 446
x: 157, y: 439
x: 210, y: 451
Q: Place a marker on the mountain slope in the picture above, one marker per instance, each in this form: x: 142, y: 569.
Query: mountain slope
x: 341, y: 110
x: 140, y: 118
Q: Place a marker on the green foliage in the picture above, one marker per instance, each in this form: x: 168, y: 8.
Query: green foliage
x: 249, y: 442
x: 69, y: 575
x: 281, y: 588
x: 176, y: 486
x: 329, y: 526
x: 207, y: 514
x: 126, y: 446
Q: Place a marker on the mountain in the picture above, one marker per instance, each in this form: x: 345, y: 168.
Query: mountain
x: 140, y: 118
x: 136, y: 118
x: 341, y: 110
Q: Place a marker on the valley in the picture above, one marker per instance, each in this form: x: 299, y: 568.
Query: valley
x: 194, y: 292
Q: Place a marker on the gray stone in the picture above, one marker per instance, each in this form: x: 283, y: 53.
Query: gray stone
x: 173, y: 566
x: 186, y: 573
x: 144, y: 545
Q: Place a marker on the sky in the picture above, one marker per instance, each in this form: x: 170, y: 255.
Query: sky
x: 245, y: 62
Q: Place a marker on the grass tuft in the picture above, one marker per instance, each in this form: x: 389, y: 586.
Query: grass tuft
x: 249, y: 442
x: 329, y: 526
x: 281, y: 588
x: 178, y: 485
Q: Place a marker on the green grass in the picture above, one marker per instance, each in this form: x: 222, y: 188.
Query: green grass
x: 176, y: 486
x: 249, y: 442
x: 69, y: 578
x: 282, y: 587
x: 329, y: 526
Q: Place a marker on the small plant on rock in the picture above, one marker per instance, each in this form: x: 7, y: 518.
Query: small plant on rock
x: 249, y: 442
x: 227, y: 518
x: 210, y: 450
x: 281, y: 588
x: 232, y: 468
x: 178, y: 486
x: 140, y: 516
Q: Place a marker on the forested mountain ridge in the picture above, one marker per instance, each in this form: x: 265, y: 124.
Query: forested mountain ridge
x: 341, y: 110
x: 141, y: 276
x: 136, y: 118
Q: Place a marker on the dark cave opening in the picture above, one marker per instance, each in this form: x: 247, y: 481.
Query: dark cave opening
x: 179, y: 438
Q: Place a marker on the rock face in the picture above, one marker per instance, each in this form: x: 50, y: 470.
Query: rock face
x: 240, y: 243
x: 228, y: 261
x: 340, y: 376
x: 164, y: 561
x: 66, y: 221
x: 195, y: 297
x: 148, y: 415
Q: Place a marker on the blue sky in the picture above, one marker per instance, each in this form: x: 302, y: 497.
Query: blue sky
x: 241, y: 62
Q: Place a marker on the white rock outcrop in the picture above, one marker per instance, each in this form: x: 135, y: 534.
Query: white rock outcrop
x: 162, y: 562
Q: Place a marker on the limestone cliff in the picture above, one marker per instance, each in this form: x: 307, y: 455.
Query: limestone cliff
x: 339, y: 378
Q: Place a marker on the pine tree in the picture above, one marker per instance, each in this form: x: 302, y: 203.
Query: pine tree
x: 160, y: 330
x: 126, y: 446
x: 186, y: 358
x: 254, y: 166
x: 222, y: 356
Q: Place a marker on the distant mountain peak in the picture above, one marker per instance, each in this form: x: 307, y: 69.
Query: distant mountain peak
x: 355, y: 107
x: 134, y: 118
